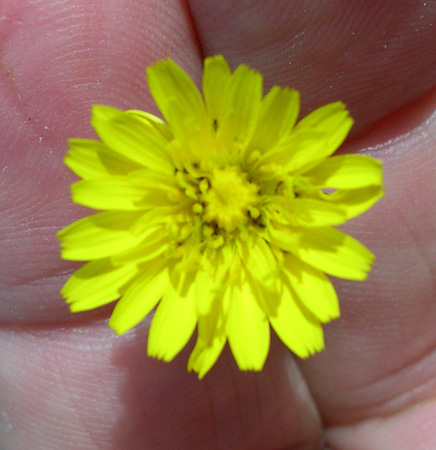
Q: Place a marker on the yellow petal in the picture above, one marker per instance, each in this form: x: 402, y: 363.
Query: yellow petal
x: 153, y: 243
x: 132, y: 137
x: 317, y: 213
x: 284, y: 238
x: 212, y: 279
x: 98, y: 236
x: 278, y: 113
x: 159, y: 124
x: 296, y: 152
x: 299, y: 331
x: 170, y: 85
x: 262, y: 272
x: 268, y: 297
x: 111, y: 193
x: 211, y: 336
x: 242, y: 99
x: 247, y: 329
x: 150, y: 179
x: 312, y: 287
x: 259, y: 260
x: 205, y: 286
x: 203, y: 357
x: 118, y: 193
x: 333, y: 120
x: 334, y: 253
x: 216, y: 76
x: 97, y: 283
x: 181, y: 104
x: 347, y: 172
x: 174, y: 320
x: 93, y: 159
x: 355, y: 201
x: 155, y: 216
x: 140, y: 298
x: 313, y: 139
x: 306, y: 212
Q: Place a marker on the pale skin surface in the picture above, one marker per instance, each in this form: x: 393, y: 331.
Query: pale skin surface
x: 66, y: 381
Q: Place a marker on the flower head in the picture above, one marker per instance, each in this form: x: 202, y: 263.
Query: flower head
x: 222, y: 216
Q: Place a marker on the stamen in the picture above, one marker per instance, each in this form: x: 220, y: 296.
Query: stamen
x: 204, y: 185
x: 217, y: 242
x: 254, y: 212
x: 191, y: 192
x: 197, y: 208
x: 254, y: 156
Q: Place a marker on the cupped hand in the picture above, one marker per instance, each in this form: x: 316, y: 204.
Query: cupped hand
x: 67, y: 381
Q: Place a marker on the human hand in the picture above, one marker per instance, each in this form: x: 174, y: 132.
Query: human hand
x: 66, y: 381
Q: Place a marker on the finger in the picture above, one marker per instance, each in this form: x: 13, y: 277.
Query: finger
x: 380, y: 355
x: 57, y: 59
x: 375, y: 56
x: 90, y: 378
x: 74, y: 387
x: 367, y: 55
x: 412, y: 427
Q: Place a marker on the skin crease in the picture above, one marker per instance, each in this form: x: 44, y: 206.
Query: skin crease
x: 66, y: 381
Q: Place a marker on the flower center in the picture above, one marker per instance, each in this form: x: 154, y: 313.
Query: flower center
x: 230, y: 198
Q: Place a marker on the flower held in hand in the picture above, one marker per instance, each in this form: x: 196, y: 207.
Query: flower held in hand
x: 222, y: 216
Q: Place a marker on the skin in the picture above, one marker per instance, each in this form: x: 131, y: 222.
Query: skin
x: 67, y: 381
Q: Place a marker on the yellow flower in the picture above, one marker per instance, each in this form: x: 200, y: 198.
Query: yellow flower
x: 222, y: 216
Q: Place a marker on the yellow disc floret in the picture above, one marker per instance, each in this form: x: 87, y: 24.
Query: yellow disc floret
x: 229, y: 198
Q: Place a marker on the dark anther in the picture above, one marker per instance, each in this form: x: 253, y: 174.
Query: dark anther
x: 215, y: 124
x: 259, y: 222
x: 215, y: 228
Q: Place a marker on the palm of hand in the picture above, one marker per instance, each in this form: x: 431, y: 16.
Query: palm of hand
x: 66, y: 381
